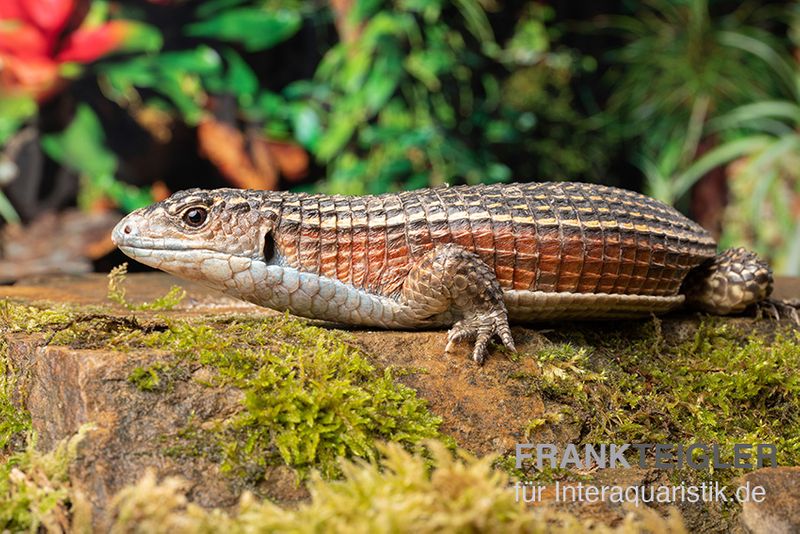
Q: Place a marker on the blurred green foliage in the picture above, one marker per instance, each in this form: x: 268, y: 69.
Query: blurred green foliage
x: 699, y: 90
x: 764, y: 208
x: 407, y: 103
x: 81, y: 146
x: 679, y: 66
x: 44, y: 45
x: 410, y: 94
x: 424, y: 95
x: 559, y: 141
x: 400, y: 94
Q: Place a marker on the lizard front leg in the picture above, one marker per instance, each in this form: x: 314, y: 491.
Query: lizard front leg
x: 452, y: 284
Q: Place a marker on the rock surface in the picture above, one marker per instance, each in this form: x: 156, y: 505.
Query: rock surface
x: 55, y: 243
x: 484, y: 408
x: 779, y: 513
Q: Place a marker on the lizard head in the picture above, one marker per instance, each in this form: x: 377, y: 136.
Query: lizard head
x: 204, y: 235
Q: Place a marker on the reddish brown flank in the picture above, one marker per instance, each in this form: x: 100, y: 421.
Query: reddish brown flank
x: 542, y: 237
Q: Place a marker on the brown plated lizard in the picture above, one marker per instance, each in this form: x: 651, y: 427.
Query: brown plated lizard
x: 470, y: 257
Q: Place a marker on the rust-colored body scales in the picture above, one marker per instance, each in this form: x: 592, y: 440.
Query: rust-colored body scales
x: 551, y: 237
x: 469, y: 258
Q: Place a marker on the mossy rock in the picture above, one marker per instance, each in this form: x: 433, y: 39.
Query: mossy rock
x: 233, y: 397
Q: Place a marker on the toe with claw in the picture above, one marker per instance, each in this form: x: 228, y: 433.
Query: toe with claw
x: 449, y: 283
x: 776, y: 309
x: 481, y: 328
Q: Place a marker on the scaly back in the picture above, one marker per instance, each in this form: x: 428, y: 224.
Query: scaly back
x: 550, y: 237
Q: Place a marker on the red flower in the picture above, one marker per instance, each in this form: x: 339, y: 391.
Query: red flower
x: 35, y: 41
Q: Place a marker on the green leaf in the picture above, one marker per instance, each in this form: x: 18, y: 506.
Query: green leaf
x: 793, y: 256
x: 424, y: 67
x: 771, y: 155
x: 383, y: 78
x: 184, y: 92
x: 306, y: 125
x: 209, y: 7
x: 98, y: 13
x: 658, y: 185
x: 81, y: 146
x: 350, y: 76
x: 240, y: 76
x: 744, y: 116
x: 140, y: 37
x: 271, y: 103
x: 347, y: 175
x: 146, y: 71
x: 239, y: 79
x: 121, y: 79
x: 128, y: 197
x: 431, y: 9
x: 176, y: 75
x: 529, y: 42
x: 714, y: 158
x: 786, y: 71
x: 500, y: 132
x: 337, y: 135
x: 497, y: 172
x: 13, y: 112
x: 476, y: 20
x: 255, y: 29
x: 203, y: 60
x: 364, y: 9
x: 7, y: 211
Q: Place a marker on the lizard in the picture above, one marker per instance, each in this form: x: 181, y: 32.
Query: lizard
x: 471, y: 258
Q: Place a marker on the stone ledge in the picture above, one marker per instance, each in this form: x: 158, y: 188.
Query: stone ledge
x: 486, y: 409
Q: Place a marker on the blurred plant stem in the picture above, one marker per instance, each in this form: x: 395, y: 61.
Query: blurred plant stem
x: 7, y: 211
x: 349, y: 30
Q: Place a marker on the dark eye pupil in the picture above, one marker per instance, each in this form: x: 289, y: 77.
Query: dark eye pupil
x: 195, y: 216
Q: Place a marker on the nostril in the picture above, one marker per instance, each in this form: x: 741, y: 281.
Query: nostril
x: 127, y: 229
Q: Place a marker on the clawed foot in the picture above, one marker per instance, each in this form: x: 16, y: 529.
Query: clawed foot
x: 775, y: 309
x: 451, y: 281
x: 481, y: 328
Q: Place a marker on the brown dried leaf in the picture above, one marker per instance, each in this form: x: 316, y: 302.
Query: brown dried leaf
x: 160, y: 191
x: 291, y: 158
x: 226, y: 147
x: 157, y: 122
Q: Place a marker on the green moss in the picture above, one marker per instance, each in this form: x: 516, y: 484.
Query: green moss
x: 14, y: 421
x: 719, y: 385
x: 548, y: 419
x: 563, y: 352
x: 192, y: 441
x: 156, y: 377
x: 15, y: 317
x: 117, y: 293
x: 399, y: 494
x: 563, y: 372
x: 34, y: 489
x: 145, y: 378
x: 310, y: 397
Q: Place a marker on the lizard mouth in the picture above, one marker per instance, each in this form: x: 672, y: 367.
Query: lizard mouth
x: 126, y: 237
x: 155, y: 256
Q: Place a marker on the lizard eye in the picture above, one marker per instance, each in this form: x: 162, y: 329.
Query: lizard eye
x: 195, y: 217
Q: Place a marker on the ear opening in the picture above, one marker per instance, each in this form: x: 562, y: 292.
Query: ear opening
x: 268, y: 251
